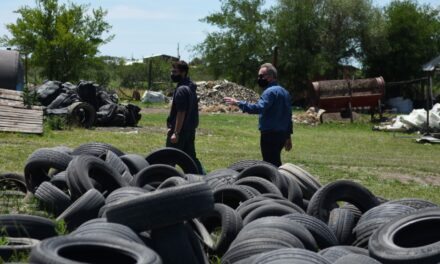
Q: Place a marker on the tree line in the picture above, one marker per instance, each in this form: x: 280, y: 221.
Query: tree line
x: 317, y: 37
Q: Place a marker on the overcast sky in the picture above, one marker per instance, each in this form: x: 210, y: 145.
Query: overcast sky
x: 147, y: 27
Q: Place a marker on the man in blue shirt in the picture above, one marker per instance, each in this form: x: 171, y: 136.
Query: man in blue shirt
x: 275, y: 111
x: 184, y: 114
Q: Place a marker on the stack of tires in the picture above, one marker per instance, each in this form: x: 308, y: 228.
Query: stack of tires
x: 128, y: 208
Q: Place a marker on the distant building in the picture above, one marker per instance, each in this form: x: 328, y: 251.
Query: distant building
x: 133, y: 61
x: 161, y: 56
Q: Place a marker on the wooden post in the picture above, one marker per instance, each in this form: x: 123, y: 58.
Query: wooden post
x: 150, y: 81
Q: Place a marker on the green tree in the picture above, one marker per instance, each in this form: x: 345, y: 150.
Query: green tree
x: 296, y: 26
x: 315, y: 37
x: 241, y: 44
x: 407, y: 37
x: 63, y: 39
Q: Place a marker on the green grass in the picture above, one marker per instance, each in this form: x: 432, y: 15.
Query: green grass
x: 391, y: 167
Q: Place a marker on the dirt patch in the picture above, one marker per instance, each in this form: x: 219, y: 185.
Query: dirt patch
x: 390, y: 174
x: 151, y: 110
x: 407, y: 178
x: 141, y: 130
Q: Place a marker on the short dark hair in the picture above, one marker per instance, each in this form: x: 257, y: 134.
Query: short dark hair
x: 182, y: 66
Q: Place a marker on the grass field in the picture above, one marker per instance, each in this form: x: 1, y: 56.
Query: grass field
x: 390, y: 166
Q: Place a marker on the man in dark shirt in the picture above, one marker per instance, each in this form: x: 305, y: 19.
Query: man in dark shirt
x: 184, y: 114
x: 275, y: 110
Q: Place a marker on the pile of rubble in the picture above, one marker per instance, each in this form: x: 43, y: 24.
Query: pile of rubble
x: 311, y: 117
x: 87, y: 104
x: 211, y: 95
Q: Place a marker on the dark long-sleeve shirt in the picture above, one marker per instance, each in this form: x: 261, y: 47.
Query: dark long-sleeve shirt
x: 274, y: 108
x: 185, y: 100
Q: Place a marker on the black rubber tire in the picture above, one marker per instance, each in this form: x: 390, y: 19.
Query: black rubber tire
x: 251, y: 190
x: 365, y: 230
x: 251, y: 248
x: 83, y: 169
x: 221, y: 177
x: 196, y: 244
x: 40, y: 162
x: 81, y: 114
x: 83, y: 209
x: 386, y: 210
x: 96, y: 229
x: 123, y: 193
x: 294, y: 192
x: 241, y: 165
x: 324, y: 199
x: 414, y: 203
x: 229, y: 221
x: 288, y: 225
x: 163, y: 207
x: 154, y: 175
x: 271, y: 209
x: 173, y: 157
x: 16, y: 247
x: 260, y: 184
x: 355, y: 258
x: 320, y: 230
x: 134, y: 162
x: 78, y: 249
x: 414, y: 238
x: 260, y: 198
x: 290, y: 255
x: 309, y: 185
x: 26, y: 226
x: 271, y: 233
x: 115, y: 162
x: 342, y: 223
x: 354, y: 210
x: 194, y: 177
x: 64, y: 149
x: 12, y: 181
x: 93, y: 221
x: 268, y: 172
x: 175, y: 245
x: 244, y: 211
x: 231, y: 195
x: 60, y: 181
x: 172, y: 182
x: 332, y: 254
x: 96, y: 149
x: 51, y: 198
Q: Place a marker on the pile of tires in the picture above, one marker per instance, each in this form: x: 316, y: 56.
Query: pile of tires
x: 128, y: 208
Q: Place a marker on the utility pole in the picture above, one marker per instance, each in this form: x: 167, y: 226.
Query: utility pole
x: 178, y: 50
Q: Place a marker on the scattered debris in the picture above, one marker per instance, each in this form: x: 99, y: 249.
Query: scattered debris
x: 153, y: 97
x: 311, y: 117
x: 211, y: 95
x: 87, y: 104
x: 429, y: 139
x: 415, y: 121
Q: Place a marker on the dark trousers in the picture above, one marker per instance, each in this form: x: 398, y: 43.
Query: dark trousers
x: 272, y: 144
x: 186, y: 144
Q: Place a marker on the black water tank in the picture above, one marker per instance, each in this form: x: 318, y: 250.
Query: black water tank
x: 11, y: 70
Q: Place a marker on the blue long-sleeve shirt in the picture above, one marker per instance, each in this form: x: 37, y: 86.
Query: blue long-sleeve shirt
x: 274, y: 108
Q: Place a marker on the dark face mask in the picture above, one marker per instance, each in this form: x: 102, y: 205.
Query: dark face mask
x: 176, y: 78
x: 263, y: 83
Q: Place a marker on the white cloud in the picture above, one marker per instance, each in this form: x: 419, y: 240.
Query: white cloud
x: 124, y: 12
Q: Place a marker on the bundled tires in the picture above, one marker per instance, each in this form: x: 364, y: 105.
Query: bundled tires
x: 128, y: 208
